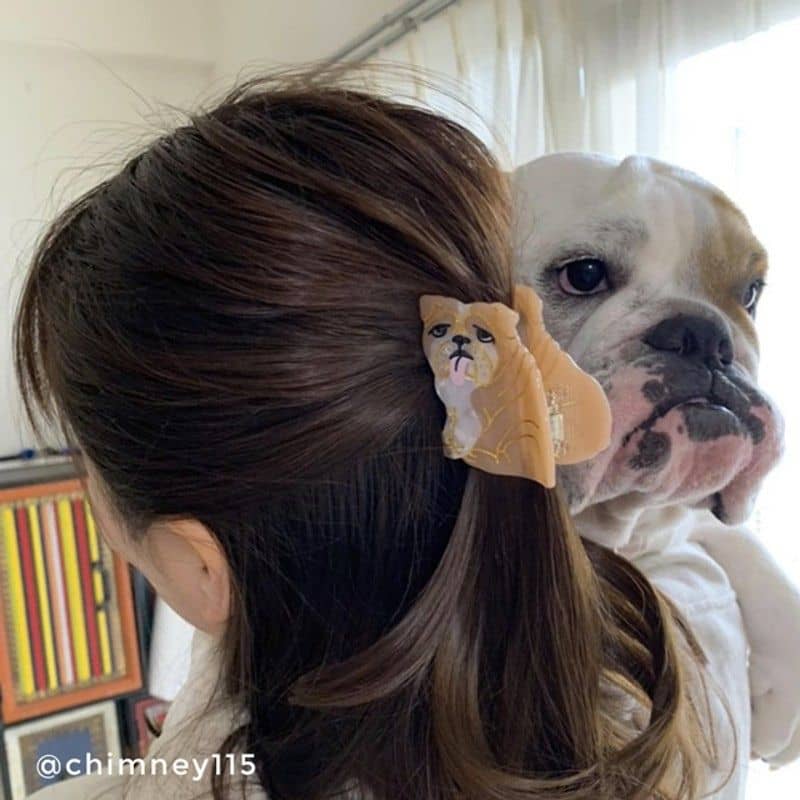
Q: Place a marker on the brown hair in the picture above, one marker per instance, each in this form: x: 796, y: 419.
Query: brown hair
x: 229, y: 329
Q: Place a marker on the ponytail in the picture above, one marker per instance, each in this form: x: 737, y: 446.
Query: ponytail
x: 524, y: 649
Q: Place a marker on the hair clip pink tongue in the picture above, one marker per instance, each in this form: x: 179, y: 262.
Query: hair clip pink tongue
x: 458, y: 369
x: 516, y: 403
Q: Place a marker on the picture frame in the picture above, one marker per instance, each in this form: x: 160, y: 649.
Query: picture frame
x: 5, y: 785
x: 141, y: 721
x: 68, y: 737
x: 68, y: 632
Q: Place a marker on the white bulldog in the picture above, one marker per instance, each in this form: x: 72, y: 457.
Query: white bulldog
x: 650, y: 279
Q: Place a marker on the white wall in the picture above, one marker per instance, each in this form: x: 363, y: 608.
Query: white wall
x: 284, y: 31
x: 82, y: 82
x: 179, y: 29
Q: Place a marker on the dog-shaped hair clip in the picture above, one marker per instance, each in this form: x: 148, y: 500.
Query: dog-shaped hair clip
x: 516, y: 403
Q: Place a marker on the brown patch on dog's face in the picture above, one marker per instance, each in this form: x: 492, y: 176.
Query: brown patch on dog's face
x: 732, y: 263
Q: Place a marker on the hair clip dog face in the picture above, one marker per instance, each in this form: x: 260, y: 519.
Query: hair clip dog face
x: 516, y: 404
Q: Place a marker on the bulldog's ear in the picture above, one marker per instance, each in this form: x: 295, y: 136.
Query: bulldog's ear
x: 580, y: 415
x: 529, y: 306
x: 428, y: 304
x: 501, y: 319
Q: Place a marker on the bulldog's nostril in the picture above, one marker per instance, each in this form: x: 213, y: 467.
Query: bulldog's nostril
x: 688, y: 344
x: 726, y: 351
x: 696, y: 338
x: 461, y: 340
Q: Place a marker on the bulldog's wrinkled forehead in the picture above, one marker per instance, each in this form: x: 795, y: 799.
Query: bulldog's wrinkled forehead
x: 663, y: 231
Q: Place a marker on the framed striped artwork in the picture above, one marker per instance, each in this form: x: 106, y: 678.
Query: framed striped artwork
x: 67, y: 620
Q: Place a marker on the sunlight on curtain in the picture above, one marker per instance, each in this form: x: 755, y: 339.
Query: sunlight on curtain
x: 546, y: 75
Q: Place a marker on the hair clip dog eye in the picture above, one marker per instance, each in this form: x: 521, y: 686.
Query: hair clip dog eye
x: 516, y: 403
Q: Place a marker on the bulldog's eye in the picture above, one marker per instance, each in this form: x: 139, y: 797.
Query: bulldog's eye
x: 583, y: 276
x: 439, y: 330
x: 483, y: 335
x: 752, y: 295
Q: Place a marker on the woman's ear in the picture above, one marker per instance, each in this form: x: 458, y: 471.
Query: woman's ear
x: 188, y: 569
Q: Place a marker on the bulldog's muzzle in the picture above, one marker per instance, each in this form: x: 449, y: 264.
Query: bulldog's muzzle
x: 694, y: 372
x: 689, y: 423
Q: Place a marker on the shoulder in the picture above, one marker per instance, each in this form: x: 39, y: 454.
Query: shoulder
x: 85, y: 787
x: 180, y: 762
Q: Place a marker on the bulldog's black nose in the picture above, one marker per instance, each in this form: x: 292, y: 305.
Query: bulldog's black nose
x: 695, y: 338
x: 461, y: 340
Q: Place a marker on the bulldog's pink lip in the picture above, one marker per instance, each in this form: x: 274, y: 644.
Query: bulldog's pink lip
x: 662, y: 411
x: 696, y: 401
x: 702, y: 401
x: 705, y: 402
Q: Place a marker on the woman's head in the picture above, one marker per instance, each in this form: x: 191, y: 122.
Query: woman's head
x: 244, y: 296
x: 229, y: 331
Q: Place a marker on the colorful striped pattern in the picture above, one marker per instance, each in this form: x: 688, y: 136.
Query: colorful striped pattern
x: 57, y: 579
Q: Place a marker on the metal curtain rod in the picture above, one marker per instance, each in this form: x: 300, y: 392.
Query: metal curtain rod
x: 389, y: 29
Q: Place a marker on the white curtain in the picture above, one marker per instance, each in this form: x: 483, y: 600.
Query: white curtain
x: 546, y: 75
